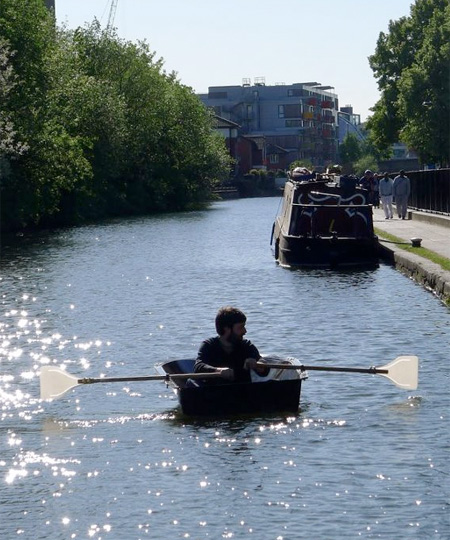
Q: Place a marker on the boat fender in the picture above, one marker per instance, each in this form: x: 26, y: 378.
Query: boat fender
x: 277, y: 249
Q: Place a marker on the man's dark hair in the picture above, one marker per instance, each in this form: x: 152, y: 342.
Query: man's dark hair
x: 228, y: 316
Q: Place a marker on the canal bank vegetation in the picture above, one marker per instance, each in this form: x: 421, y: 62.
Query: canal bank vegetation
x: 443, y: 262
x: 91, y: 126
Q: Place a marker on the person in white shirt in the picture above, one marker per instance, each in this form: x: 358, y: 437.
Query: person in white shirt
x: 401, y: 191
x: 386, y: 190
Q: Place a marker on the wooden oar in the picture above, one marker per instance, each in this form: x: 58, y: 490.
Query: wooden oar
x: 55, y: 381
x: 403, y: 371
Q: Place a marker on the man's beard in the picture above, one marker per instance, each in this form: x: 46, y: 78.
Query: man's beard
x: 235, y: 338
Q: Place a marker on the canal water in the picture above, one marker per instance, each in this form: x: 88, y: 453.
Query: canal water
x: 362, y: 458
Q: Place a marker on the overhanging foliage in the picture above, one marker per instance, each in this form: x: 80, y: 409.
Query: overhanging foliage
x: 411, y: 64
x: 96, y: 127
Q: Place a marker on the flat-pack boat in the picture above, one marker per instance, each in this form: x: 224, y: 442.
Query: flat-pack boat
x: 325, y: 224
x: 279, y: 391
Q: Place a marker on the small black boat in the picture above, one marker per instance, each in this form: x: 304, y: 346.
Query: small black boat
x: 279, y: 391
x: 325, y: 223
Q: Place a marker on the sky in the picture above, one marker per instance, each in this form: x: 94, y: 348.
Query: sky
x: 214, y: 42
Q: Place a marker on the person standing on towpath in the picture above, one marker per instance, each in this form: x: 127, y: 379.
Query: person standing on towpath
x: 386, y: 186
x: 401, y: 191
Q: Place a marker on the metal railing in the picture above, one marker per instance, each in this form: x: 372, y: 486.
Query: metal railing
x: 430, y: 191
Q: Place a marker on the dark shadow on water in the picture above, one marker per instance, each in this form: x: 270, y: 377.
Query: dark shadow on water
x: 357, y: 273
x: 31, y: 241
x: 232, y: 423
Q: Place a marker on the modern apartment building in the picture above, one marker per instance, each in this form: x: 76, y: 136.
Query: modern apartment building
x: 284, y: 122
x: 349, y: 124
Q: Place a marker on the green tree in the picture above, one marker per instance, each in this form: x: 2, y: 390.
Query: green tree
x: 172, y: 156
x: 349, y: 151
x: 50, y: 160
x: 424, y: 93
x: 27, y: 29
x: 411, y: 64
x: 96, y: 127
x: 10, y: 146
x: 366, y: 161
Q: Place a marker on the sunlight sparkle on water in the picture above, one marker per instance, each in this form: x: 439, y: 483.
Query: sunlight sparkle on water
x: 13, y: 441
x: 84, y: 362
x: 15, y: 473
x: 15, y: 354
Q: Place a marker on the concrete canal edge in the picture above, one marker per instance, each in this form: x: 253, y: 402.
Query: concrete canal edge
x: 429, y: 274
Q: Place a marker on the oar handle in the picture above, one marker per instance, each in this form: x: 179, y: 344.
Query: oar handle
x: 372, y: 370
x: 167, y: 377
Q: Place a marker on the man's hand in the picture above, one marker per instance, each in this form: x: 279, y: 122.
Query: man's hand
x: 226, y: 373
x: 252, y: 363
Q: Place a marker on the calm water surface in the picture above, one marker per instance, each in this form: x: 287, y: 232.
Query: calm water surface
x: 362, y: 459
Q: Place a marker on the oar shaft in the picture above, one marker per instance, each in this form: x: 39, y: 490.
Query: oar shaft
x: 168, y: 377
x: 372, y: 370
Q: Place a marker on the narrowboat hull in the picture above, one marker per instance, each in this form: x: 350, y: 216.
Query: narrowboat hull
x: 323, y: 225
x: 278, y: 392
x: 328, y: 252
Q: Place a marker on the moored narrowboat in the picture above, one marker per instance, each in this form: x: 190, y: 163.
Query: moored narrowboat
x: 278, y: 391
x: 325, y: 223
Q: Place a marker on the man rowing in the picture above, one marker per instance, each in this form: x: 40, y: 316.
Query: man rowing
x: 229, y: 353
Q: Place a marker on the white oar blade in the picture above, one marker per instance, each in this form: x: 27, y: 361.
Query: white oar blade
x: 403, y: 372
x: 55, y: 382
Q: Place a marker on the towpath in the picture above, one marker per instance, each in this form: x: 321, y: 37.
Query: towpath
x: 434, y: 230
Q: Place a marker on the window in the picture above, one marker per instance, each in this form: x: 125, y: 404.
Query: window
x: 291, y: 111
x: 218, y: 95
x: 280, y: 111
x: 274, y: 159
x: 293, y: 123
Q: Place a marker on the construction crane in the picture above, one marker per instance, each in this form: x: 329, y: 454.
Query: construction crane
x: 112, y: 14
